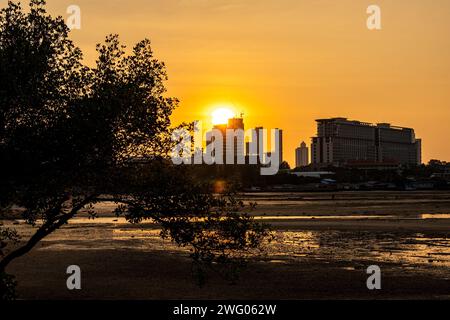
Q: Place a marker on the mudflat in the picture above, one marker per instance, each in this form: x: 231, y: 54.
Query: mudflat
x: 323, y: 244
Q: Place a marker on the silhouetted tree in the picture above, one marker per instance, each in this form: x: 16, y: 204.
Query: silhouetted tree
x: 72, y: 136
x: 285, y: 166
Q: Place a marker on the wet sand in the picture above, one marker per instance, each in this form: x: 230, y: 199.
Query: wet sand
x: 315, y: 255
x: 132, y: 274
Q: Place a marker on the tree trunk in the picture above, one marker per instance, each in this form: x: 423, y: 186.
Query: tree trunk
x: 38, y: 236
x: 46, y: 229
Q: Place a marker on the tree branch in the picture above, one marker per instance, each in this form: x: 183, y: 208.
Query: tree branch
x: 47, y: 228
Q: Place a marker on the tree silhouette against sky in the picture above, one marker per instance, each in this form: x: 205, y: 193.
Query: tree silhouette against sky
x: 69, y: 135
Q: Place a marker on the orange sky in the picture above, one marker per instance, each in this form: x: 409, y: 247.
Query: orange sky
x: 285, y: 63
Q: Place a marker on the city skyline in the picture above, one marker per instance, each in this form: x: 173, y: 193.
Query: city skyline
x: 287, y: 63
x: 338, y: 141
x: 203, y: 155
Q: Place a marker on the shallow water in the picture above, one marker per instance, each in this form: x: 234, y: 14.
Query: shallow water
x: 401, y: 248
x: 121, y: 220
x: 405, y: 248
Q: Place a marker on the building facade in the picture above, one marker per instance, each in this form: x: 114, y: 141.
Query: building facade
x: 280, y: 146
x: 262, y: 147
x: 342, y: 142
x: 235, y: 147
x: 302, y: 155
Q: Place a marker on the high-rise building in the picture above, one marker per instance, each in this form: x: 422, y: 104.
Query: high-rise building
x: 258, y: 149
x: 340, y: 142
x: 302, y: 155
x: 238, y: 145
x: 280, y: 145
x: 419, y: 150
x: 258, y: 131
x: 262, y: 144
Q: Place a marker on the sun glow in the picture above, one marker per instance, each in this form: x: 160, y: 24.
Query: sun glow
x: 221, y: 116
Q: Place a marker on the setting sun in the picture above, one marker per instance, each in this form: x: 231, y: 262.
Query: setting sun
x: 221, y: 116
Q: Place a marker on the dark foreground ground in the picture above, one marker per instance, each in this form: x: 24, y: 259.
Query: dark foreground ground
x: 116, y: 274
x: 324, y: 256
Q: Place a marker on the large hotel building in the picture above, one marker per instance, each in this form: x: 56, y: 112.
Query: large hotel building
x: 342, y: 142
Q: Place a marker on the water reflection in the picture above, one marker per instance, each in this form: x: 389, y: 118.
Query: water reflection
x: 400, y: 247
x: 435, y: 216
x: 403, y: 248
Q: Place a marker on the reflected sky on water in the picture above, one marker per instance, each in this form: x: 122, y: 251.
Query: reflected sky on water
x: 409, y: 249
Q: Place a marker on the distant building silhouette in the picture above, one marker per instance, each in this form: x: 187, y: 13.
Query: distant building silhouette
x: 353, y: 143
x: 238, y: 143
x: 302, y: 155
x: 259, y: 133
x: 234, y: 124
x: 244, y: 152
x: 280, y: 143
x: 260, y: 147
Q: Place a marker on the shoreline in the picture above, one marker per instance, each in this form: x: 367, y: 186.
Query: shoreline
x: 317, y: 254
